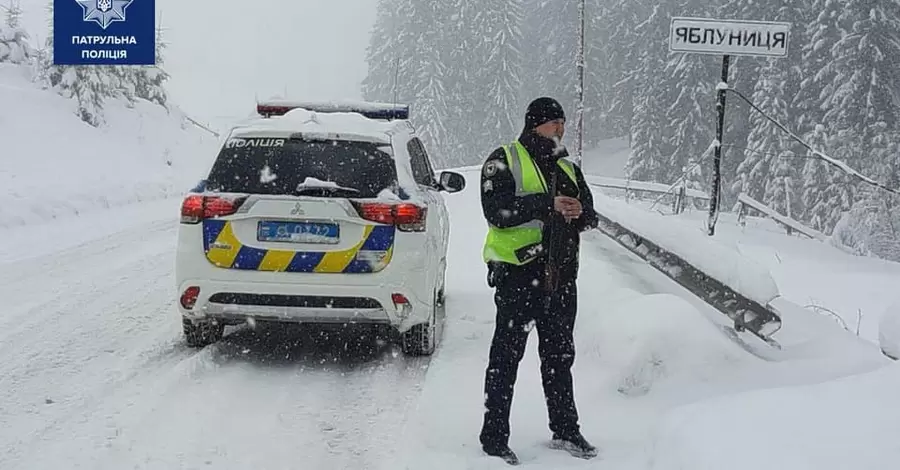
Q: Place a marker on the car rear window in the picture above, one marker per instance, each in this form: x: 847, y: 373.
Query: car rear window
x: 278, y: 166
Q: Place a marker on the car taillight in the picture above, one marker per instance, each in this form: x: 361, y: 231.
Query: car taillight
x: 195, y: 207
x: 401, y: 303
x: 189, y: 297
x: 406, y: 217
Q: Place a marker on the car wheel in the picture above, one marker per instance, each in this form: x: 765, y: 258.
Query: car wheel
x: 202, y: 333
x: 421, y: 339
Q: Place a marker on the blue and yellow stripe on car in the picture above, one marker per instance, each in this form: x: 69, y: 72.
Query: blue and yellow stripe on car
x: 372, y: 254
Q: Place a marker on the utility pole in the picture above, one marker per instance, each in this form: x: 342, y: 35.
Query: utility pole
x: 579, y: 109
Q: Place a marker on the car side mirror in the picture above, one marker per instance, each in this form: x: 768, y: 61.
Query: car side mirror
x: 452, y: 182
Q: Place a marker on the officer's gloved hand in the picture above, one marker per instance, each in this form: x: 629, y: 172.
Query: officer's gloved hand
x: 569, y: 207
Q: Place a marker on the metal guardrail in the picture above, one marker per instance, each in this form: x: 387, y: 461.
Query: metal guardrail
x: 642, y: 186
x: 747, y: 314
x: 791, y: 225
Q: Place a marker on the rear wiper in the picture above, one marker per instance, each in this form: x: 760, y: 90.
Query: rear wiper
x: 328, y: 190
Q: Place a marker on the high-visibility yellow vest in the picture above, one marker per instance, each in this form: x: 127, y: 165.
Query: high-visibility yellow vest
x: 521, y: 244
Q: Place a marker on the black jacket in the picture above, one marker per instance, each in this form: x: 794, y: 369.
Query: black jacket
x: 502, y: 208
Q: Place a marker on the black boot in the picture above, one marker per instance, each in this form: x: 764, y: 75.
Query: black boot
x: 576, y: 445
x: 503, y: 451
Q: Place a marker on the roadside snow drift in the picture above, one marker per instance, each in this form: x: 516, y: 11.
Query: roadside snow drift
x: 717, y: 261
x: 849, y: 423
x: 54, y: 165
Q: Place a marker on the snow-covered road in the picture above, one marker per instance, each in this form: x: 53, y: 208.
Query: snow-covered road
x: 94, y: 372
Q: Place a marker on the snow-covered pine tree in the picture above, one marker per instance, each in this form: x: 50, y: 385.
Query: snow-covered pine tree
x: 620, y: 20
x: 13, y: 14
x: 598, y: 76
x: 766, y: 142
x: 381, y: 53
x: 817, y: 178
x: 88, y: 86
x: 770, y: 169
x: 497, y: 74
x: 690, y: 99
x: 149, y: 80
x: 872, y: 225
x: 783, y: 189
x: 548, y: 51
x: 428, y: 73
x: 650, y: 143
x: 743, y: 74
x: 14, y: 41
x: 823, y: 194
x: 407, y: 64
x: 691, y: 78
x: 864, y: 104
x: 818, y: 35
x: 462, y: 108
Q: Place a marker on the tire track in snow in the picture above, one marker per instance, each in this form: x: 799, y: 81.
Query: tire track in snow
x: 96, y: 374
x: 272, y: 398
x: 102, y: 324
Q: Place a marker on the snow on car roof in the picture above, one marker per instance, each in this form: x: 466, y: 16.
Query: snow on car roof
x: 338, y: 125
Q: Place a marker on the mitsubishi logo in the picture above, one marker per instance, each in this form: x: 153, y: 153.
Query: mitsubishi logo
x: 298, y: 210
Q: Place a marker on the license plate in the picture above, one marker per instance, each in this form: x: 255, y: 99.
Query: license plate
x: 298, y: 232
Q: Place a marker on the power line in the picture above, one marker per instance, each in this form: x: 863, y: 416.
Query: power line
x: 817, y: 154
x: 804, y: 156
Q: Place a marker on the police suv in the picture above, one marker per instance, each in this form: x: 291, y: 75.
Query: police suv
x: 317, y: 213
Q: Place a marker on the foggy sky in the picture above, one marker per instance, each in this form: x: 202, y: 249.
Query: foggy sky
x: 224, y: 52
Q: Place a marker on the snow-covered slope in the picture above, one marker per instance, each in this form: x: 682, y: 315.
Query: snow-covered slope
x: 54, y: 165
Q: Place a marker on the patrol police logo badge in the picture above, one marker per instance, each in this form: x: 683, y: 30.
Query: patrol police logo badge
x: 104, y: 12
x: 490, y: 168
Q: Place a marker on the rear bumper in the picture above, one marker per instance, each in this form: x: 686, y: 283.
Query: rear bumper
x: 235, y: 295
x: 298, y: 303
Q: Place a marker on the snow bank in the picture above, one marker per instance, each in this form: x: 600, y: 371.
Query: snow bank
x: 813, y: 275
x: 54, y: 165
x: 837, y: 425
x: 657, y: 342
x: 694, y: 246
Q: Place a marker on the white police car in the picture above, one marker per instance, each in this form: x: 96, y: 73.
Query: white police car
x: 317, y: 213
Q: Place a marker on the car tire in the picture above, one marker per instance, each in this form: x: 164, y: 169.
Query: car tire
x: 421, y: 339
x: 202, y: 333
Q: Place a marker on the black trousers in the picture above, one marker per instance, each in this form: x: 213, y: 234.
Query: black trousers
x: 520, y: 305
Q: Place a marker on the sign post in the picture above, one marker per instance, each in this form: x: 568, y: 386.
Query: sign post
x: 579, y: 110
x: 726, y: 38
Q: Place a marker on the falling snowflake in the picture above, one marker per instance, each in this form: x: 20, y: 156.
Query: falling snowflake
x: 266, y: 176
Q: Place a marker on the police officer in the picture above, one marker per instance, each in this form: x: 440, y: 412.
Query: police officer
x: 532, y: 250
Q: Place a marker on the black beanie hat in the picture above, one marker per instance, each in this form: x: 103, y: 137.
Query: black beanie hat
x: 543, y: 110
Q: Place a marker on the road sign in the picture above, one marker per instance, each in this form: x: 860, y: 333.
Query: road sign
x: 729, y: 37
x: 726, y: 38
